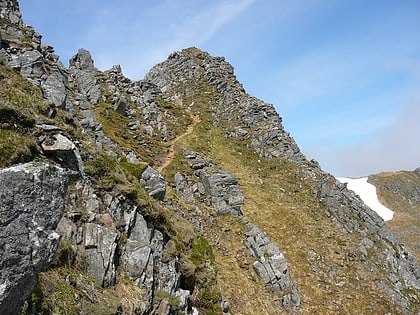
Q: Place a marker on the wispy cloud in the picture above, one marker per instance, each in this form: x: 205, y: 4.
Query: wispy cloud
x: 151, y: 35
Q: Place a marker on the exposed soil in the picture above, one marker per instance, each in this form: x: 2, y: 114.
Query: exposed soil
x: 171, y: 151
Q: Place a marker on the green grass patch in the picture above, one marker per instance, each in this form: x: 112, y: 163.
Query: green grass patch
x: 66, y: 292
x: 16, y: 147
x: 134, y: 169
x: 201, y: 251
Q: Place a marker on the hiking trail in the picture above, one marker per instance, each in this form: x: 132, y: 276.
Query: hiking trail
x: 171, y: 152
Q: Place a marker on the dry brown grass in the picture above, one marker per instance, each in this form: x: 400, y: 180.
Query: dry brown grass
x: 66, y: 291
x: 281, y: 204
x: 406, y: 220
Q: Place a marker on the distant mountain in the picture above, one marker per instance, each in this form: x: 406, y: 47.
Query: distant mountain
x: 176, y: 194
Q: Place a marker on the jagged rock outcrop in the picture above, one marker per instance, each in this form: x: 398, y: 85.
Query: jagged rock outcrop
x: 221, y: 188
x: 32, y: 202
x: 55, y: 85
x: 117, y: 236
x: 271, y: 266
x: 250, y: 118
x: 84, y: 73
x: 21, y: 47
x: 143, y: 95
x: 10, y: 11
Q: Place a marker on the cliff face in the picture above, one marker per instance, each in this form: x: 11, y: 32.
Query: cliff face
x: 186, y: 195
x: 32, y: 204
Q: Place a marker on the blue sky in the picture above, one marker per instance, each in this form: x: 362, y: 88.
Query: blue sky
x: 344, y: 75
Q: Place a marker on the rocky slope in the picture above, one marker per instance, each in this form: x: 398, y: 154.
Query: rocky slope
x: 401, y: 191
x: 179, y: 193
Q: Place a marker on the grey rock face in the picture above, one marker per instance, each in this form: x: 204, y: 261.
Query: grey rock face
x: 121, y: 106
x: 100, y: 243
x: 142, y: 94
x: 117, y: 236
x: 83, y: 71
x: 32, y: 202
x: 142, y: 259
x: 226, y: 196
x: 30, y: 64
x: 54, y: 88
x: 271, y: 266
x: 36, y: 63
x: 10, y: 11
x: 153, y: 182
x: 221, y: 187
x: 183, y: 189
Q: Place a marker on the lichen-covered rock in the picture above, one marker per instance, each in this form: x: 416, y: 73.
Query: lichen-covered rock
x: 32, y: 202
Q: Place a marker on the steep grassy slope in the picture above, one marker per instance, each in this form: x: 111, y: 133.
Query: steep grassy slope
x: 330, y: 274
x: 22, y: 107
x: 400, y: 191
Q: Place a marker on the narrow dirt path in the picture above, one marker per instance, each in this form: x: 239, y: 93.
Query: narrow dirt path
x: 171, y: 153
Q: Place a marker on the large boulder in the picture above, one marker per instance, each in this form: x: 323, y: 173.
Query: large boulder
x: 153, y: 182
x: 62, y: 148
x: 222, y: 189
x: 32, y: 202
x: 226, y: 195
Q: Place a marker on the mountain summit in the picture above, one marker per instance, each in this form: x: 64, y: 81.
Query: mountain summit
x: 176, y: 194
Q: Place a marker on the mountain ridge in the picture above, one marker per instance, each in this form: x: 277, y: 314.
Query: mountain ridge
x: 238, y: 221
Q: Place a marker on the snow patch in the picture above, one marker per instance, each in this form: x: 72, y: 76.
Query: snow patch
x: 367, y: 193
